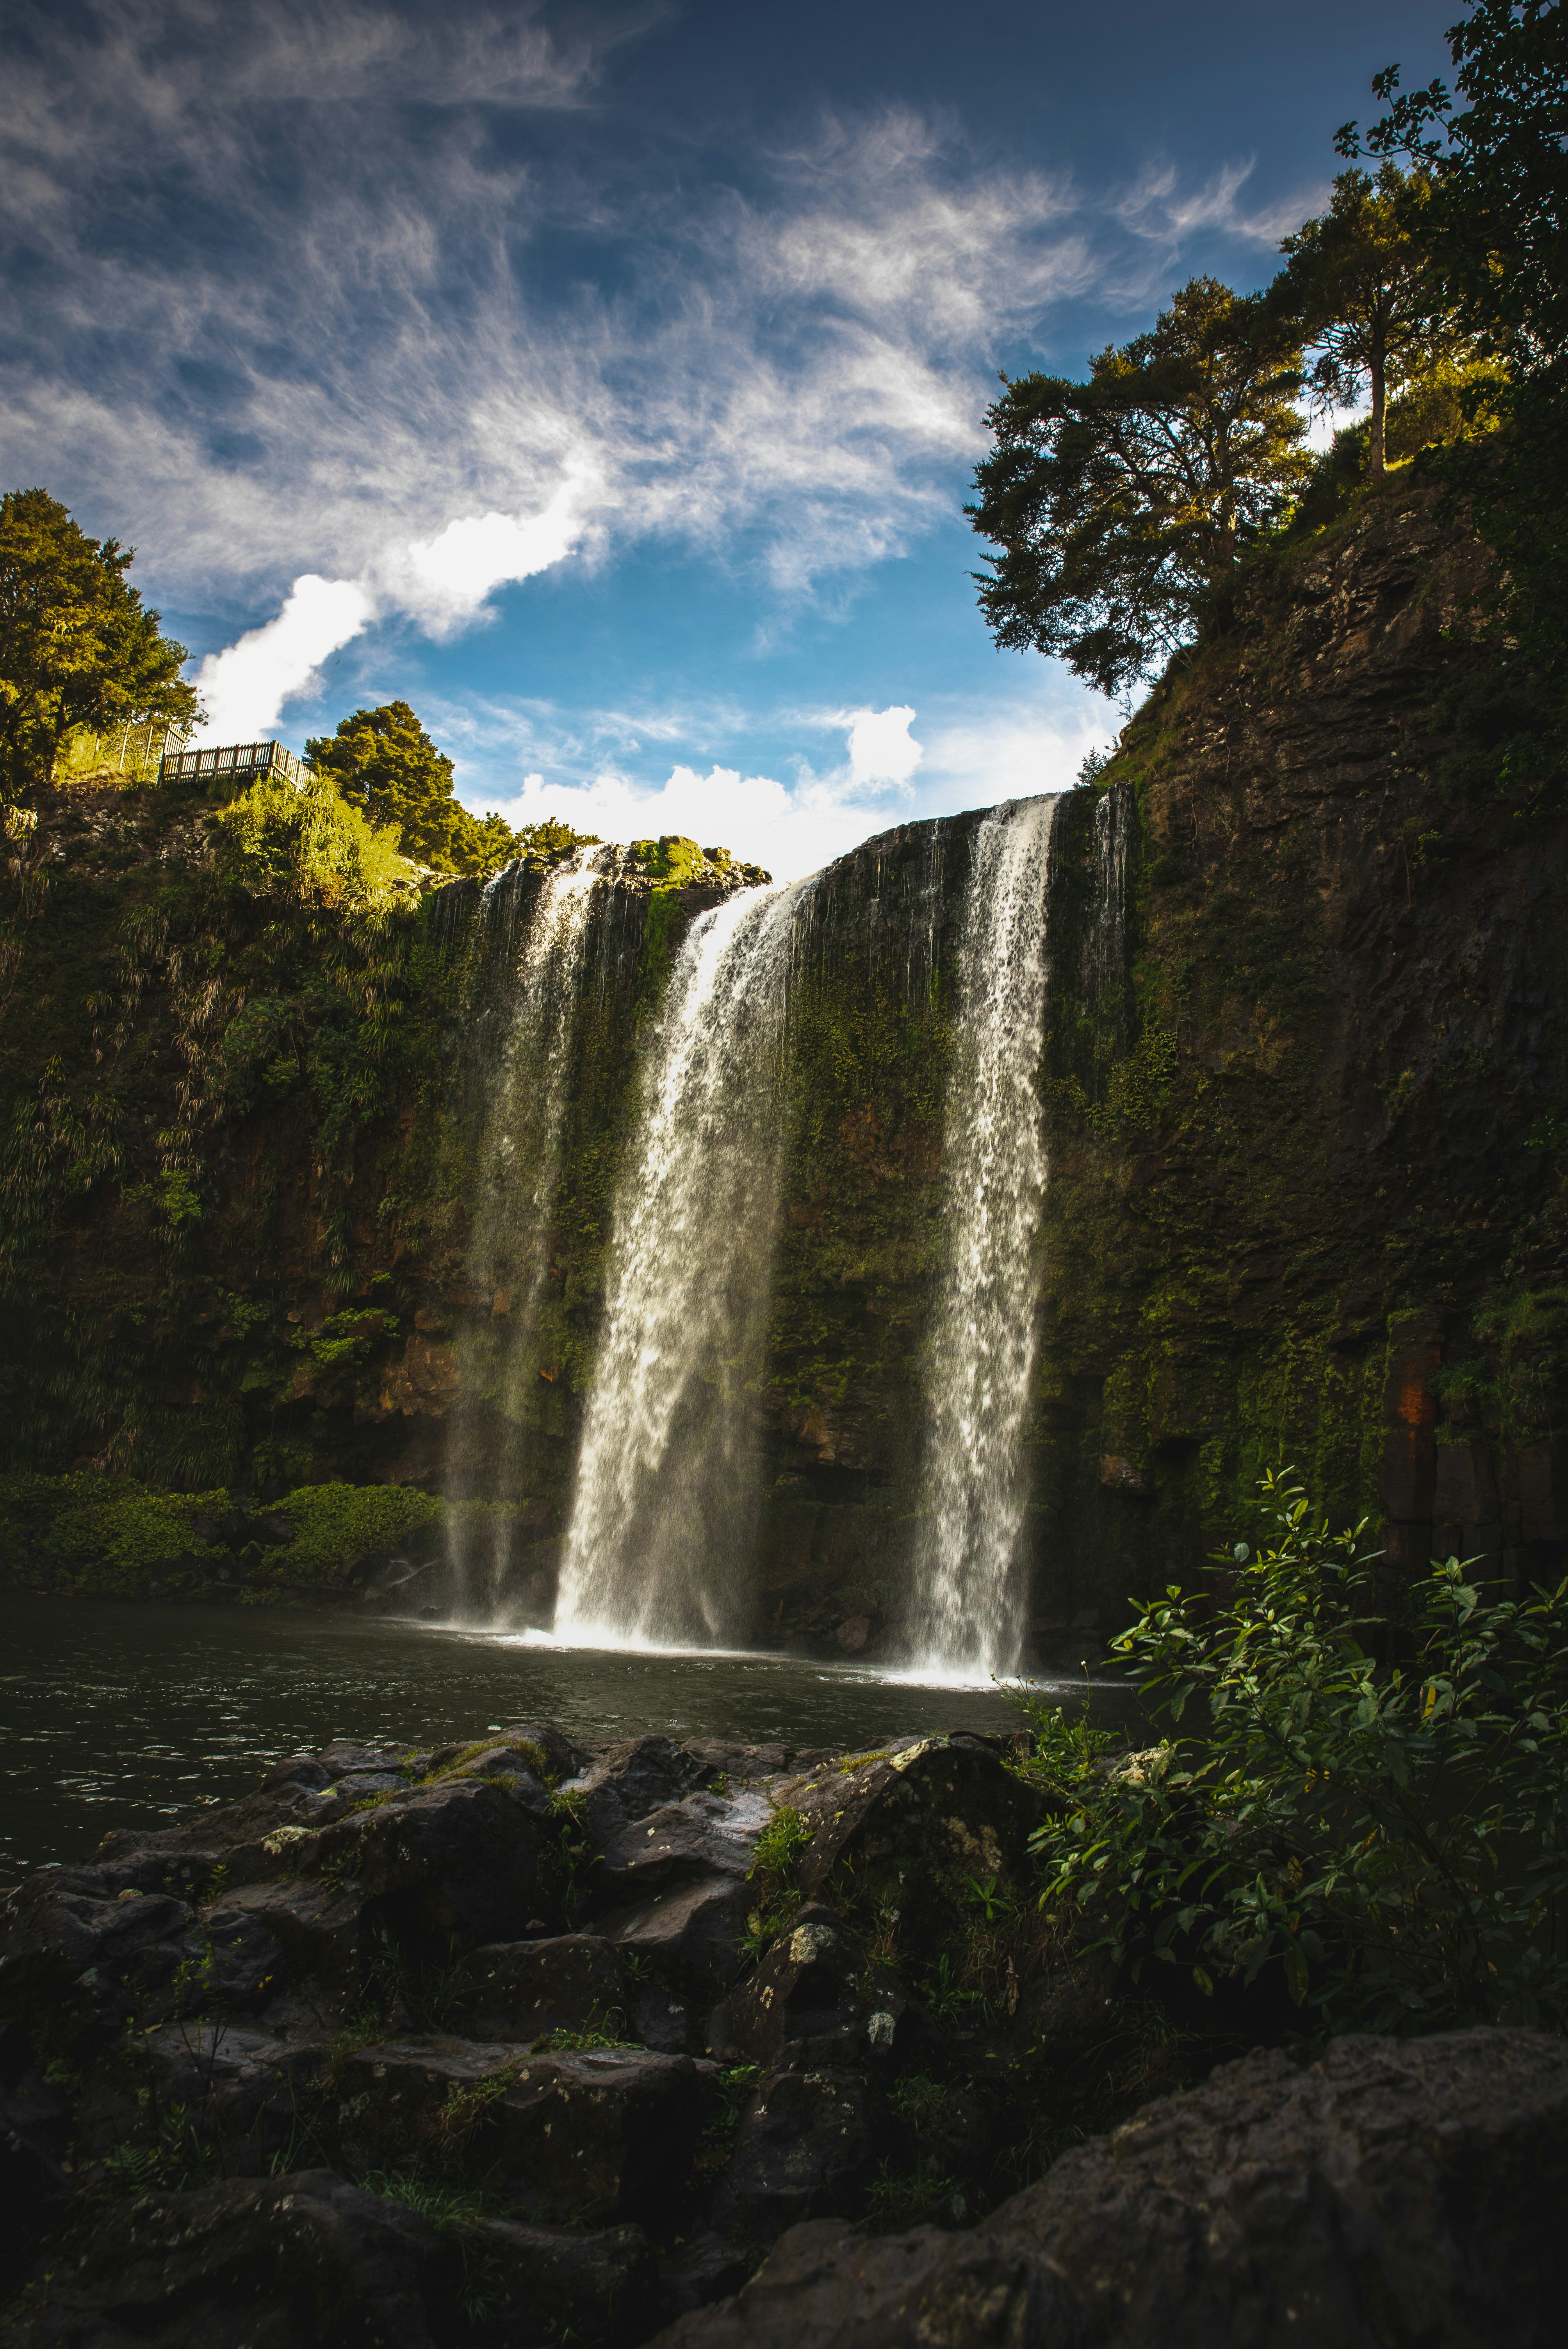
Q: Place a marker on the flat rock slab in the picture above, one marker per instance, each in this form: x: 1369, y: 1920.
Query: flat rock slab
x: 1398, y: 2191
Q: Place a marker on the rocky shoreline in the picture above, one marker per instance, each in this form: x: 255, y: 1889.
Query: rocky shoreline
x: 529, y: 2042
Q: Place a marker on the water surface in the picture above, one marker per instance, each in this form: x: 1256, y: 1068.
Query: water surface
x: 117, y: 1715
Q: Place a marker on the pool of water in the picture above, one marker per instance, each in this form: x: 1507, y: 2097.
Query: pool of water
x: 115, y: 1715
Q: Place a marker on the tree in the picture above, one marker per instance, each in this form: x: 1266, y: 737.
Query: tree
x: 1495, y: 230
x: 1121, y: 504
x: 384, y: 764
x: 77, y: 646
x: 1360, y: 280
x: 1496, y: 222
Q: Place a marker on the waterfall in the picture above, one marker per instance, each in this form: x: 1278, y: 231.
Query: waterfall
x: 659, y: 1548
x: 969, y: 1603
x: 537, y: 981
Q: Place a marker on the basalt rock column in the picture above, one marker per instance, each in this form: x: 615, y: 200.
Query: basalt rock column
x: 660, y: 1547
x: 969, y: 1603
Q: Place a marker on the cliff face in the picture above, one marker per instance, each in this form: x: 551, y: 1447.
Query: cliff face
x: 1304, y: 1044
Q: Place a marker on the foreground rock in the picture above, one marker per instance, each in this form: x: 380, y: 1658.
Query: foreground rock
x: 1396, y: 2192
x: 513, y: 2044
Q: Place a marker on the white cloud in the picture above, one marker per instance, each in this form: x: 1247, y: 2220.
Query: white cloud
x: 790, y: 830
x: 245, y: 687
x: 880, y: 748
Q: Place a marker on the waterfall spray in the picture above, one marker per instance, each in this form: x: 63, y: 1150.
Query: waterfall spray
x: 660, y: 1545
x: 969, y: 1603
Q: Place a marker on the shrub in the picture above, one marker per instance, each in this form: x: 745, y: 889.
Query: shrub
x: 333, y: 1524
x: 1394, y: 1839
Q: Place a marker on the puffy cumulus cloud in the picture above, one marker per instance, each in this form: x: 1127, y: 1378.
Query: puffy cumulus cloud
x: 882, y: 749
x: 789, y: 828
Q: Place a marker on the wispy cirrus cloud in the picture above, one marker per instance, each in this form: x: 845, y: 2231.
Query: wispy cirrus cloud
x: 320, y: 288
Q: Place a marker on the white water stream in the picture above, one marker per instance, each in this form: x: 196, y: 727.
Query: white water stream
x: 659, y: 1551
x: 520, y: 1154
x: 969, y: 1595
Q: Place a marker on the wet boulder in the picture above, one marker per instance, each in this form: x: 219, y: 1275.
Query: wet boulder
x: 96, y: 1959
x: 1401, y: 2191
x: 301, y: 2261
x: 523, y: 1991
x: 808, y: 1990
x: 446, y: 1869
x: 676, y: 1887
x: 632, y: 1780
x: 512, y: 1772
x: 279, y: 1937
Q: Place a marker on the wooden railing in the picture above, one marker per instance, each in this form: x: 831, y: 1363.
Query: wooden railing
x: 237, y: 761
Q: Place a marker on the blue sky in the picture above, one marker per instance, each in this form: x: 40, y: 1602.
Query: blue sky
x: 607, y: 381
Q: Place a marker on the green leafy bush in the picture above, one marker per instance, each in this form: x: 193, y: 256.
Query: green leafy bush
x: 335, y: 1524
x: 103, y: 1535
x: 1394, y: 1839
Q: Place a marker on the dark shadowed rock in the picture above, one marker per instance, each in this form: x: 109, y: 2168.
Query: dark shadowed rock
x: 604, y: 2133
x: 525, y: 1990
x: 545, y: 2285
x: 303, y: 2261
x: 1398, y: 2191
x: 240, y: 2086
x: 450, y: 1868
x: 804, y: 2149
x: 100, y: 1958
x: 607, y: 2133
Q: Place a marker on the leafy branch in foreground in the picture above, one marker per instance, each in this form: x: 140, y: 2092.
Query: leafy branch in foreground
x: 1394, y: 1839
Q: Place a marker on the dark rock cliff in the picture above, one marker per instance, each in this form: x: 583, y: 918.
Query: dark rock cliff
x: 1304, y: 1052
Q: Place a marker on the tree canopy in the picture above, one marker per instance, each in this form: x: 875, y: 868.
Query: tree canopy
x: 1120, y: 503
x: 78, y: 648
x: 384, y: 764
x: 1360, y: 282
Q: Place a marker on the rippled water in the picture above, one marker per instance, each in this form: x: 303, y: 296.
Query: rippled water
x: 118, y: 1715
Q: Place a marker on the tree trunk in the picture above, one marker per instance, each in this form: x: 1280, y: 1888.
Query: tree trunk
x: 1380, y: 400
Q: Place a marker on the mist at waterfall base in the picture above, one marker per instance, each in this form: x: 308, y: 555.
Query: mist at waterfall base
x: 658, y: 1555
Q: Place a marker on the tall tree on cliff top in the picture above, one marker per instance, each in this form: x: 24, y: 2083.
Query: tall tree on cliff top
x: 1121, y: 504
x: 77, y: 647
x: 384, y: 764
x: 1361, y: 280
x: 1495, y: 230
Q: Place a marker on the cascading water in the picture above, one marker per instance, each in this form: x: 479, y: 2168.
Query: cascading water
x: 659, y: 1549
x: 520, y: 1145
x: 969, y: 1603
